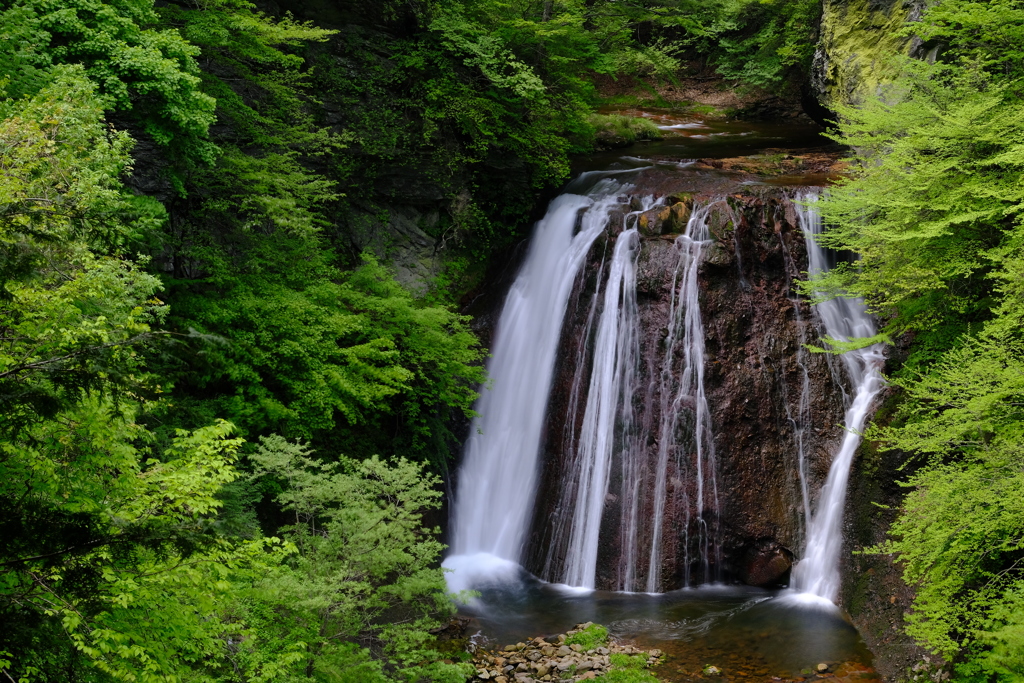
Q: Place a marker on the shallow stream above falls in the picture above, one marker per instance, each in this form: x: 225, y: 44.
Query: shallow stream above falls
x: 687, y: 137
x: 655, y: 424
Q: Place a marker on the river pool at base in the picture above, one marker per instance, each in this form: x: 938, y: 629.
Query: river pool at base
x: 749, y: 633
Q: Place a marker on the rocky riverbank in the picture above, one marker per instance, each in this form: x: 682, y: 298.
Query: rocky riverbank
x: 581, y: 654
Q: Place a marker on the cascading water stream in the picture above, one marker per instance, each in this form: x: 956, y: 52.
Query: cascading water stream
x: 598, y: 382
x: 497, y: 480
x: 614, y: 365
x: 689, y: 398
x: 562, y: 531
x: 843, y: 319
x: 677, y: 491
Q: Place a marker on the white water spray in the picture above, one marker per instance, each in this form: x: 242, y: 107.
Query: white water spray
x: 844, y: 319
x: 497, y: 480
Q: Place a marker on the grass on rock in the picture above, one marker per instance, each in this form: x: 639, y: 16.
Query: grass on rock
x: 629, y: 128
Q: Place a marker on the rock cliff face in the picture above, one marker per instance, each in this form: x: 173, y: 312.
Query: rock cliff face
x: 768, y: 396
x: 858, y: 40
x: 759, y: 373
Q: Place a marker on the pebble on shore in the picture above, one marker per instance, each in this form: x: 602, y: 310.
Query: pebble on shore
x: 550, y: 659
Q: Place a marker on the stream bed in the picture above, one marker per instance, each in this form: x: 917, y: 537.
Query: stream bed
x: 688, y: 137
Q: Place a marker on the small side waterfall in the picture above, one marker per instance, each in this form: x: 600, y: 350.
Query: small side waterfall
x: 843, y: 319
x: 497, y: 480
x: 688, y: 400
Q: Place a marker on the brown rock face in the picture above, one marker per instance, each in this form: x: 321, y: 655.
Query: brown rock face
x: 665, y: 220
x: 758, y: 375
x: 767, y: 566
x: 774, y: 406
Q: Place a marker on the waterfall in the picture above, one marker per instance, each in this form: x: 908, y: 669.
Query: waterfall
x: 497, y: 480
x: 614, y: 364
x: 688, y: 399
x: 818, y: 572
x: 636, y: 427
x: 560, y: 535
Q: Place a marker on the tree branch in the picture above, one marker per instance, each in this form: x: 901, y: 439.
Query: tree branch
x: 59, y: 359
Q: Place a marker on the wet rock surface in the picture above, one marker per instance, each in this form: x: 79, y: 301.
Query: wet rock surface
x: 758, y: 373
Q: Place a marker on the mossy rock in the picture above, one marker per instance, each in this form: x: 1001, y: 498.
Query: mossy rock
x: 856, y: 51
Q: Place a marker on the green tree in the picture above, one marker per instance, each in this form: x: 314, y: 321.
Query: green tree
x: 931, y: 200
x: 89, y: 515
x: 136, y: 64
x: 960, y: 534
x: 933, y: 208
x: 349, y: 359
x: 72, y: 311
x: 135, y: 572
x: 363, y: 588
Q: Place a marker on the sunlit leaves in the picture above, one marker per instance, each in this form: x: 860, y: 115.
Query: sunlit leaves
x: 140, y: 589
x: 960, y: 533
x: 934, y: 189
x: 69, y: 316
x: 934, y: 208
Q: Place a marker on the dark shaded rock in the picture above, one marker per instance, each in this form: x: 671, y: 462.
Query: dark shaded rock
x: 606, y: 139
x: 767, y: 565
x: 399, y: 236
x: 453, y: 629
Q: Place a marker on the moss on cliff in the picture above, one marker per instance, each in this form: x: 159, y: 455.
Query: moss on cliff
x: 859, y: 40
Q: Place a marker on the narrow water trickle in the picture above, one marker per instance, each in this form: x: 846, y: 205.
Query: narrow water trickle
x: 687, y: 400
x: 843, y: 319
x: 497, y: 480
x: 800, y: 418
